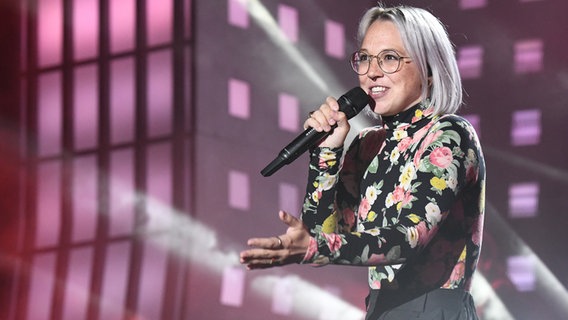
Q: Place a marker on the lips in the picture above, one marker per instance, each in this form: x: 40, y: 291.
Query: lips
x: 377, y: 91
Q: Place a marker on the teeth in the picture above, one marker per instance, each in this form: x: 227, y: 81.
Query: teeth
x: 378, y: 89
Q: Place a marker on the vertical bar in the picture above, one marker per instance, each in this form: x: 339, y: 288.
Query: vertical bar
x: 67, y: 172
x: 140, y: 165
x: 103, y: 160
x: 30, y: 119
x: 85, y: 107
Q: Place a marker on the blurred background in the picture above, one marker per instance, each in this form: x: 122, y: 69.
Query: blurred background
x: 133, y: 133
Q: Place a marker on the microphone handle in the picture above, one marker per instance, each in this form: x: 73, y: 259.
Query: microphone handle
x: 295, y: 148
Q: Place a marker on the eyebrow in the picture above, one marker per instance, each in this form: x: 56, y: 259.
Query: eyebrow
x: 387, y: 49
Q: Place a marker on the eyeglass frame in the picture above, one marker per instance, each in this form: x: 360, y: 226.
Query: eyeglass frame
x: 379, y: 61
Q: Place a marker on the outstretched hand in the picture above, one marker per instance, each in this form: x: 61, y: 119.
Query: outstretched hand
x: 288, y: 248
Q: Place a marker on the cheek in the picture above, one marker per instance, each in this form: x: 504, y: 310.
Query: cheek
x: 361, y: 80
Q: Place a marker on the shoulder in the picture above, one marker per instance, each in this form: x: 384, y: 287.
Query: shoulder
x: 456, y: 124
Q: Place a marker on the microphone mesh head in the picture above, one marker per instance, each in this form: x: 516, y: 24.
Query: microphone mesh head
x: 352, y: 102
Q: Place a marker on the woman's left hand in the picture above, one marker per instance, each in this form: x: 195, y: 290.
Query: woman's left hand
x: 288, y: 248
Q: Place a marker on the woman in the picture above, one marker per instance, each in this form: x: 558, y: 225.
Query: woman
x: 408, y: 198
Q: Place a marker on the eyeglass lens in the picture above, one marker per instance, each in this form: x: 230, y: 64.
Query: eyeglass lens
x: 389, y: 61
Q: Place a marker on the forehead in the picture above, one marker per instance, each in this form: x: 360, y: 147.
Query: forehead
x: 382, y: 35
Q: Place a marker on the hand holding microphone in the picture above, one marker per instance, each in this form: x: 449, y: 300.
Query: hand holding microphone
x: 324, y: 120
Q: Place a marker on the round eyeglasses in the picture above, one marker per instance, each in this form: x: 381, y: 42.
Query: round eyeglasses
x: 388, y: 60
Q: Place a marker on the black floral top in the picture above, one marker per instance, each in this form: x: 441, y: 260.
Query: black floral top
x: 407, y: 201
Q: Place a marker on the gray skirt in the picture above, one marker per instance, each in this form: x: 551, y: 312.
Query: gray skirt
x: 439, y: 304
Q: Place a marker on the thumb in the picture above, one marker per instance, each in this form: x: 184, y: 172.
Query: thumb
x: 289, y: 219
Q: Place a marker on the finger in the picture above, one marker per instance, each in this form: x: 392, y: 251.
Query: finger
x: 325, y: 116
x: 332, y: 103
x: 289, y: 219
x: 337, y: 115
x: 265, y: 243
x: 255, y: 259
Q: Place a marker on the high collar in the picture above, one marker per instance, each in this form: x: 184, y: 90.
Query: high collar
x: 407, y: 117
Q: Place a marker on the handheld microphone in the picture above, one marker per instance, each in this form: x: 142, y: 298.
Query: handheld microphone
x: 351, y: 103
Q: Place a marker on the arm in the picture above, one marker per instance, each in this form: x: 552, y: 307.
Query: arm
x: 414, y: 208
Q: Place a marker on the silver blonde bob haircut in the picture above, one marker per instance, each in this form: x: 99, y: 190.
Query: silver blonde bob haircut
x: 428, y: 44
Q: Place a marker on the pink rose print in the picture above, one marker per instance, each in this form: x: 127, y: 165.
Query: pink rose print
x: 418, y: 157
x: 424, y: 234
x: 477, y: 230
x: 333, y: 241
x: 364, y: 208
x: 404, y: 144
x: 398, y: 194
x: 420, y: 133
x: 441, y: 157
x: 407, y: 198
x: 431, y: 138
x: 349, y: 217
x: 312, y: 249
x: 376, y: 284
x: 376, y: 259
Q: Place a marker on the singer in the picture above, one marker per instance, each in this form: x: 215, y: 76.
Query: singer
x: 407, y: 200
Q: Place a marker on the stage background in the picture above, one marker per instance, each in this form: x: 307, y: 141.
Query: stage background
x: 133, y: 133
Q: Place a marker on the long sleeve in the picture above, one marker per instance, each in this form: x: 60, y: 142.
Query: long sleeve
x: 418, y: 200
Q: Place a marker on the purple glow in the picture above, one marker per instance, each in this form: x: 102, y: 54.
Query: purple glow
x: 188, y: 22
x: 288, y: 112
x: 159, y: 15
x: 334, y: 39
x: 42, y: 283
x: 122, y: 114
x: 289, y: 197
x: 152, y: 283
x: 237, y: 14
x: 528, y: 56
x: 475, y: 121
x: 122, y: 25
x: 50, y: 113
x: 48, y: 209
x: 78, y: 284
x: 526, y: 128
x: 85, y: 198
x: 121, y: 192
x: 470, y: 61
x: 520, y: 270
x: 160, y: 92
x: 50, y: 32
x: 523, y: 200
x: 472, y: 4
x: 86, y: 107
x: 239, y: 195
x: 233, y: 286
x: 239, y: 99
x: 283, y: 296
x: 115, y: 279
x: 159, y: 172
x: 330, y: 313
x: 85, y: 29
x: 288, y: 21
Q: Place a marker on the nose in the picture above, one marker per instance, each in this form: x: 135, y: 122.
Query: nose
x: 375, y: 70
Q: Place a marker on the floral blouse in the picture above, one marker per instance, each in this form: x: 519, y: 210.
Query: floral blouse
x: 407, y: 201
